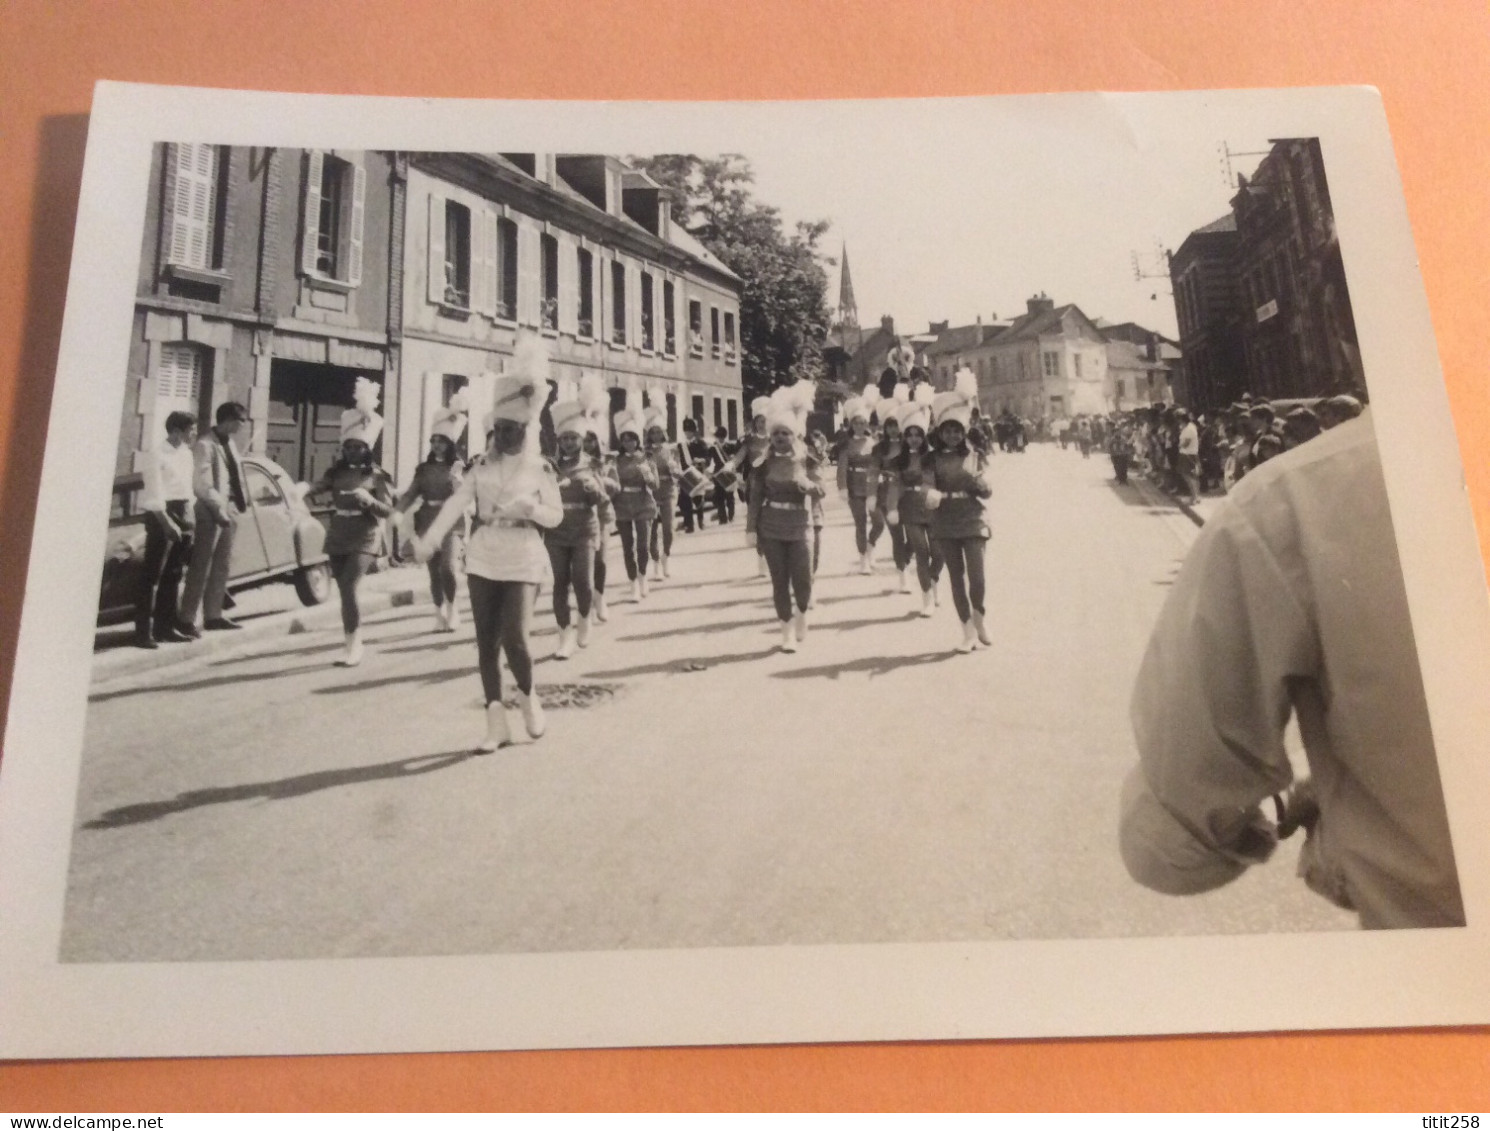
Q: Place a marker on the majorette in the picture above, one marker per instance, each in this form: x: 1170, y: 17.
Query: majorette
x: 906, y: 504
x: 958, y: 488
x: 634, y: 502
x: 435, y: 480
x: 571, y: 544
x: 858, y: 474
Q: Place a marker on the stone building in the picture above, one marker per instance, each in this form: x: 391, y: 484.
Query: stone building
x: 1143, y: 367
x: 1050, y: 361
x: 1203, y: 274
x: 579, y: 248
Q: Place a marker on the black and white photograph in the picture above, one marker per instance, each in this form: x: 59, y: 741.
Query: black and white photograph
x: 540, y: 575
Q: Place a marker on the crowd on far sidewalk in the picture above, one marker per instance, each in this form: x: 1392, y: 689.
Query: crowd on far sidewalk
x: 1191, y: 455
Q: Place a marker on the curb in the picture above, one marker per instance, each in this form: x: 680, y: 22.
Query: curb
x: 126, y: 660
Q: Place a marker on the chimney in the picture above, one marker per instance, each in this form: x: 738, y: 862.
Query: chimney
x: 887, y: 323
x: 1040, y: 304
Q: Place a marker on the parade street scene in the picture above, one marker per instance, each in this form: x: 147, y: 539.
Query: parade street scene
x: 544, y: 552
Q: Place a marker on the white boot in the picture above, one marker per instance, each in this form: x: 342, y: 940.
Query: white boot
x: 928, y: 601
x: 353, y: 654
x: 905, y: 580
x: 978, y: 627
x: 799, y: 625
x: 760, y: 565
x: 582, y: 629
x: 566, y: 644
x: 969, y: 637
x: 636, y: 590
x: 452, y: 615
x: 532, y: 711
x: 788, y: 637
x: 657, y: 569
x: 497, y: 735
x: 597, y: 607
x: 642, y: 581
x: 866, y: 562
x: 442, y: 618
x: 662, y: 565
x: 936, y: 595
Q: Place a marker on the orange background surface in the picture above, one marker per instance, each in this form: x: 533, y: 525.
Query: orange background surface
x: 1428, y: 59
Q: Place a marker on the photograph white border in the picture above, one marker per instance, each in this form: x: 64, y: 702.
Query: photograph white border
x: 726, y: 995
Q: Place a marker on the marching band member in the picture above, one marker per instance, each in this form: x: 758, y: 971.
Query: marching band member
x: 514, y: 493
x: 635, y: 505
x: 958, y: 488
x: 817, y: 450
x: 907, y: 498
x: 669, y: 466
x: 782, y: 487
x: 886, y: 452
x: 362, y: 497
x: 593, y: 396
x: 571, y: 544
x: 435, y: 480
x: 752, y: 448
x: 858, y: 475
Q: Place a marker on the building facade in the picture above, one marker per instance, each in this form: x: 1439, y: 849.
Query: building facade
x: 1049, y: 362
x: 1143, y: 367
x: 264, y: 278
x: 1203, y: 274
x: 578, y: 248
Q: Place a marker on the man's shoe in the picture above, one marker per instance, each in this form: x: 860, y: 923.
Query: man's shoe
x: 190, y: 631
x: 147, y: 642
x: 220, y: 624
x: 172, y: 635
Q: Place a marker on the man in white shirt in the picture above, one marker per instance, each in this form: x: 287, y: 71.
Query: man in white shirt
x: 1291, y: 602
x: 220, y: 504
x: 167, y: 501
x: 1189, y: 465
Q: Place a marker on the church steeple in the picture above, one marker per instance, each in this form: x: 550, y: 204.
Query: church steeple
x: 848, y: 310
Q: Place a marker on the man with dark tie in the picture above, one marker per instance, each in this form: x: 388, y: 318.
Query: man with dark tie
x: 220, y: 504
x: 170, y: 476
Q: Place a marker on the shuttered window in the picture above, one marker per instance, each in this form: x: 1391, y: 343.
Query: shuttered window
x: 507, y: 269
x: 618, y: 302
x: 585, y: 267
x: 178, y: 380
x: 649, y: 339
x: 191, y: 206
x: 669, y: 318
x: 549, y: 263
x: 334, y: 217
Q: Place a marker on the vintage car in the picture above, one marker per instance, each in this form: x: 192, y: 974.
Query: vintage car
x: 278, y: 540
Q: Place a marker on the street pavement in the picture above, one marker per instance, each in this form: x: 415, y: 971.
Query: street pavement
x: 696, y: 786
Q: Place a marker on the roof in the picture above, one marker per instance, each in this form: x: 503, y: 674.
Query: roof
x: 679, y: 237
x: 955, y: 339
x: 1042, y: 322
x: 1225, y: 223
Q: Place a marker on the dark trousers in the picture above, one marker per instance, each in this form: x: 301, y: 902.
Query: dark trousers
x: 634, y: 545
x: 601, y: 544
x: 692, y: 508
x: 574, y: 568
x: 724, y: 506
x: 790, y: 564
x: 442, y: 570
x: 157, y: 606
x: 964, y: 558
x: 900, y: 549
x: 348, y: 570
x: 1120, y: 467
x: 927, y: 552
x: 500, y: 612
x: 867, y: 523
x: 206, y: 586
x: 817, y: 548
x: 662, y: 525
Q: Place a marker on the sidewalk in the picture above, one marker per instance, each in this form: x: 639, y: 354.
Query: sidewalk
x: 269, y: 611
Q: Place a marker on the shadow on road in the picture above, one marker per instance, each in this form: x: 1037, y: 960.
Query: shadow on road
x: 865, y: 622
x: 426, y: 678
x: 276, y: 790
x: 682, y: 665
x: 703, y: 629
x: 204, y: 684
x: 869, y: 665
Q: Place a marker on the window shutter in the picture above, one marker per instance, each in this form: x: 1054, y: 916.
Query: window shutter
x: 436, y: 265
x: 568, y: 286
x: 484, y: 263
x: 603, y: 299
x: 314, y: 168
x: 191, y: 207
x: 529, y: 277
x: 359, y: 212
x: 634, y: 305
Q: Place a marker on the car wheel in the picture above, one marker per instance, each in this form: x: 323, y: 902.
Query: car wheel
x: 313, y: 584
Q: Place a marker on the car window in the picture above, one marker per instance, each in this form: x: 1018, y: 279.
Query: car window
x: 261, y: 488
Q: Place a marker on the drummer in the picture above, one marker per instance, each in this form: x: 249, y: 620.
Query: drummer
x: 699, y: 454
x: 668, y: 462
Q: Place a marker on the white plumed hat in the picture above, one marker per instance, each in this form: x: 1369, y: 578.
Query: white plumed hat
x: 630, y: 420
x: 917, y: 412
x: 655, y: 417
x: 958, y: 403
x: 595, y: 398
x: 569, y: 416
x: 450, y: 422
x: 363, y: 423
x: 761, y: 406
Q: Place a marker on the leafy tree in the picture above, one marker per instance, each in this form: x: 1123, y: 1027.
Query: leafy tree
x: 783, y: 305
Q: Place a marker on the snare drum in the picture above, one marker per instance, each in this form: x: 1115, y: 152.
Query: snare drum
x: 726, y: 479
x: 694, y: 482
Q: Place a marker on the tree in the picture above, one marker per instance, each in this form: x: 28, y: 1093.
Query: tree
x: 783, y: 303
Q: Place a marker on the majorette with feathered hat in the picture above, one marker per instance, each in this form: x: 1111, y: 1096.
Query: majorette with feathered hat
x: 595, y: 398
x: 571, y: 544
x: 752, y: 448
x: 635, y: 506
x: 361, y: 495
x: 435, y: 480
x: 668, y: 464
x: 886, y: 452
x: 859, y: 473
x: 906, y: 501
x: 783, y: 484
x: 958, y: 488
x: 515, y: 495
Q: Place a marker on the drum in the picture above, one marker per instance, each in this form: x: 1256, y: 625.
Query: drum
x: 727, y: 478
x: 694, y: 482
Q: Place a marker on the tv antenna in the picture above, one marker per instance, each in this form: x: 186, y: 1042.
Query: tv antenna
x: 1224, y: 154
x: 1159, y: 270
